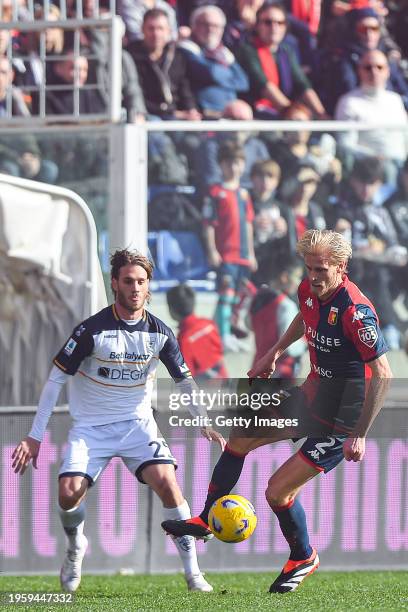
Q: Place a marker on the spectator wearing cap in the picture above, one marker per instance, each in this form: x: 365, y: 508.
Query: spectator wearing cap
x: 162, y: 70
x: 276, y: 77
x: 363, y: 33
x: 216, y: 77
x: 371, y: 103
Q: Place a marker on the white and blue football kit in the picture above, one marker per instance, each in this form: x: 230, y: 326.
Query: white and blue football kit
x: 113, y: 364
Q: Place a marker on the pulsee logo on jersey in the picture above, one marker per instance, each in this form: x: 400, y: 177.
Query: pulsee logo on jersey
x: 326, y: 340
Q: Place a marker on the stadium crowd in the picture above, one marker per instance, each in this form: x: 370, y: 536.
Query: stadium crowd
x: 237, y: 60
x: 204, y: 59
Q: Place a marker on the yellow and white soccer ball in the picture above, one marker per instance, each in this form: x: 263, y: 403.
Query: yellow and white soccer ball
x: 232, y: 518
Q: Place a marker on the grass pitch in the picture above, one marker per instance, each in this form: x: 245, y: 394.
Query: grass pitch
x: 324, y: 591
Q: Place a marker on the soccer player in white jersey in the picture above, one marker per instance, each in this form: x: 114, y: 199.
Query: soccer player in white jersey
x: 112, y: 357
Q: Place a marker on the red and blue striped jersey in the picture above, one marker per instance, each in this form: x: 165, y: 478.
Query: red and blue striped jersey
x: 228, y: 211
x: 342, y: 333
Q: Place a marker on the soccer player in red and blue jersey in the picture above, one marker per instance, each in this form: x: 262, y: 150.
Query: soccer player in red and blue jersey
x: 228, y: 216
x: 347, y: 355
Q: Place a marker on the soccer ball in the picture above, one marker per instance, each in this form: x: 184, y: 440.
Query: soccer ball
x: 232, y: 518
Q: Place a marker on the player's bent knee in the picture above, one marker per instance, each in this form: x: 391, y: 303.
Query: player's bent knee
x: 71, y: 491
x: 275, y: 496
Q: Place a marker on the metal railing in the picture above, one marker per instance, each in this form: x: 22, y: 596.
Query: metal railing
x: 111, y: 23
x: 12, y: 10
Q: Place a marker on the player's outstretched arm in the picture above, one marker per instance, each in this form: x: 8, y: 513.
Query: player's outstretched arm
x: 265, y: 366
x: 29, y: 447
x: 354, y: 445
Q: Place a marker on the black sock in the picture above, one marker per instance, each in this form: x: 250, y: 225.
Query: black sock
x: 224, y: 477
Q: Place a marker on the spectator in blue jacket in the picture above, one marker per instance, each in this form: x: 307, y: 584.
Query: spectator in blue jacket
x: 338, y: 70
x: 216, y: 77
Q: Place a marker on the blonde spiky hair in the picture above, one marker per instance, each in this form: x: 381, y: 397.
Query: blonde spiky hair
x: 335, y: 245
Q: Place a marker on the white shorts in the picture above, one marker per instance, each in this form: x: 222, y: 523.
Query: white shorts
x: 90, y: 448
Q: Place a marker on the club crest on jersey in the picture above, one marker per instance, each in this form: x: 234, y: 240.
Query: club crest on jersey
x: 309, y: 302
x: 368, y: 335
x: 333, y: 315
x: 70, y: 346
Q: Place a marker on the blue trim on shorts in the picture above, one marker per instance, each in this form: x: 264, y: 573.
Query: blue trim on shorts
x: 87, y: 476
x: 142, y: 466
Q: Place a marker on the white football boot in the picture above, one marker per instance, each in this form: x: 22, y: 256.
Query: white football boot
x: 198, y: 583
x: 70, y: 575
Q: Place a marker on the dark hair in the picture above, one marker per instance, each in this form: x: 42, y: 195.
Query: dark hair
x: 181, y: 299
x: 368, y: 170
x: 154, y: 14
x: 271, y: 4
x: 126, y: 257
x: 230, y: 150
